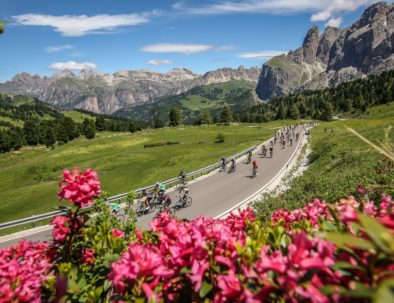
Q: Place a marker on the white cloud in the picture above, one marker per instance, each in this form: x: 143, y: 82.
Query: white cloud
x: 185, y: 48
x: 159, y: 62
x: 53, y: 49
x: 321, y: 10
x: 333, y: 7
x: 335, y: 22
x: 176, y: 48
x: 72, y: 65
x: 261, y: 55
x: 76, y: 26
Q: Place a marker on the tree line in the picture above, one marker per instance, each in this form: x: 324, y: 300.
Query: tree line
x: 47, y: 126
x: 355, y: 96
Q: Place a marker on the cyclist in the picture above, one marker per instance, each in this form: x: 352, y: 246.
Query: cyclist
x: 232, y: 168
x: 271, y: 151
x: 291, y: 141
x: 249, y: 156
x: 264, y: 151
x: 159, y: 191
x: 255, y: 166
x: 297, y: 136
x: 184, y: 196
x: 223, y: 163
x: 182, y: 177
x: 115, y: 207
x: 145, y: 198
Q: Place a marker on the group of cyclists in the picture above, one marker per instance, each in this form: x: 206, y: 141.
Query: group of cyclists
x: 158, y: 197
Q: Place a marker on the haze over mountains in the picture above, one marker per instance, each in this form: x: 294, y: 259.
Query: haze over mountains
x: 336, y: 56
x: 105, y: 93
x: 323, y: 60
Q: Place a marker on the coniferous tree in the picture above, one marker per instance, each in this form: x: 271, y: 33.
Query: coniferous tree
x: 174, y: 117
x: 158, y: 123
x: 49, y: 138
x: 17, y: 138
x: 100, y: 123
x: 132, y: 127
x: 61, y: 133
x: 281, y: 114
x: 89, y: 128
x: 71, y: 128
x: 226, y: 117
x: 5, y: 142
x: 31, y: 131
x: 328, y: 111
x: 294, y: 113
x: 205, y: 117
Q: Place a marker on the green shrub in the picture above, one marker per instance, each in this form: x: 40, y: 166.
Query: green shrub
x: 220, y: 138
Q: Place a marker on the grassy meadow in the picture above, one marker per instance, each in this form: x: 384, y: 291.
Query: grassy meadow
x: 29, y: 177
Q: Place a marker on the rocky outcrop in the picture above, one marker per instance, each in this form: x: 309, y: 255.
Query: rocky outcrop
x: 107, y: 93
x: 336, y: 56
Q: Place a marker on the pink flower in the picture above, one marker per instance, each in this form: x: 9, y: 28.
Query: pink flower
x: 230, y: 285
x: 60, y: 228
x: 139, y: 262
x: 117, y: 233
x: 79, y: 189
x: 88, y: 256
x: 360, y: 190
x: 197, y: 275
x: 24, y: 269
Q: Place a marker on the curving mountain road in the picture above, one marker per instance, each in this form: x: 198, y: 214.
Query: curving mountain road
x: 212, y: 194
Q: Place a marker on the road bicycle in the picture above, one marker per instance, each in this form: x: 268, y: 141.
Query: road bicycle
x: 254, y: 172
x: 183, y: 201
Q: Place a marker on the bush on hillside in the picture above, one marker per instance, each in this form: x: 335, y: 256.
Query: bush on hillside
x: 219, y: 138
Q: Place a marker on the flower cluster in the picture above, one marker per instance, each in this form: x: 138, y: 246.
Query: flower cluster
x: 311, y: 212
x: 232, y: 260
x: 79, y: 189
x: 24, y: 268
x: 197, y: 245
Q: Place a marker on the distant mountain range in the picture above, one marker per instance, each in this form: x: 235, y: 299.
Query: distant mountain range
x: 336, y: 56
x: 324, y: 60
x: 105, y: 93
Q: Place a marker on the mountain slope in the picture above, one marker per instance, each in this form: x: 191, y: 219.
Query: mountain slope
x: 336, y: 56
x: 104, y: 93
x: 238, y: 94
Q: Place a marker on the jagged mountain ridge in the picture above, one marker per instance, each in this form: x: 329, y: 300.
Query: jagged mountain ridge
x: 106, y: 93
x: 337, y: 56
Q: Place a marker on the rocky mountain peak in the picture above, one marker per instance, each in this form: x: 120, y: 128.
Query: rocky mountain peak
x: 364, y: 48
x: 310, y: 45
x: 374, y: 12
x: 327, y: 40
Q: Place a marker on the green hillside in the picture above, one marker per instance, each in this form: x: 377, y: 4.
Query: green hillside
x: 29, y: 178
x: 237, y: 94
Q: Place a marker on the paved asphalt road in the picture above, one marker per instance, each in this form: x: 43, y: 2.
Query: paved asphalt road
x: 217, y: 192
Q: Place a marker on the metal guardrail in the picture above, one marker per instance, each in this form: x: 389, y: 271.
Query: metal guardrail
x: 119, y: 197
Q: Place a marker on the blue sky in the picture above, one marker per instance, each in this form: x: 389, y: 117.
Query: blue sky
x: 45, y: 36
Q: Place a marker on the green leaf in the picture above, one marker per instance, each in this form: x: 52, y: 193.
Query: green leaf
x: 205, y: 289
x: 346, y: 240
x: 378, y: 233
x: 385, y: 292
